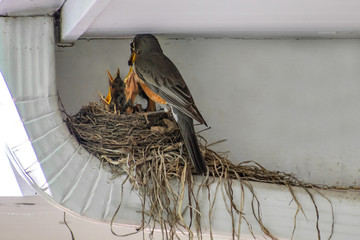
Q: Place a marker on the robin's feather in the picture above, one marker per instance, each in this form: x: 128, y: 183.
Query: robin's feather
x: 186, y: 127
x: 167, y: 83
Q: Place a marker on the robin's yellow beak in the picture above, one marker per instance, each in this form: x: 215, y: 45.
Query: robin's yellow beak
x: 108, y: 97
x: 132, y: 58
x: 128, y: 76
x: 106, y: 100
x: 111, y: 79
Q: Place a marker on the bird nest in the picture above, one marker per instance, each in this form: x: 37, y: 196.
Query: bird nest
x: 148, y: 147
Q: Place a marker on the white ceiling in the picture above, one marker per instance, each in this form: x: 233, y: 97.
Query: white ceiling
x: 228, y: 18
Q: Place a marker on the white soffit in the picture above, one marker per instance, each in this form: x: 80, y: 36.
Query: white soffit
x: 28, y: 8
x: 276, y: 18
x: 76, y: 17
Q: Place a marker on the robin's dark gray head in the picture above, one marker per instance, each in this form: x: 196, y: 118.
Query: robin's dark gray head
x: 145, y: 43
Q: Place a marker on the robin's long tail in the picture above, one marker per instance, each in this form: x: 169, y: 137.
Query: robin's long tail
x: 187, y: 130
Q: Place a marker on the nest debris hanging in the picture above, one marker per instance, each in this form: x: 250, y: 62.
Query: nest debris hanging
x: 148, y: 147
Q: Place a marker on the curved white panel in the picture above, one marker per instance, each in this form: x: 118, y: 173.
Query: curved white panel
x: 64, y: 171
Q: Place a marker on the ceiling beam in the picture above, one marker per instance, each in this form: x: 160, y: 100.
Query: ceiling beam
x: 78, y: 15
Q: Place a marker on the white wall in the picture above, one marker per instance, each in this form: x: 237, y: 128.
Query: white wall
x: 291, y: 105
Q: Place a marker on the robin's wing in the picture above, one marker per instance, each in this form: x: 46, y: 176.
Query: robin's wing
x: 164, y: 79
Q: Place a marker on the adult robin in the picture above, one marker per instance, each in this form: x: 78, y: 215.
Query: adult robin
x: 162, y: 82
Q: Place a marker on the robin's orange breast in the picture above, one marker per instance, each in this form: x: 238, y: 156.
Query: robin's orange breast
x: 131, y: 91
x: 153, y: 96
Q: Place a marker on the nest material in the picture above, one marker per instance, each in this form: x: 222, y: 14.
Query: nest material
x: 112, y: 137
x: 148, y: 147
